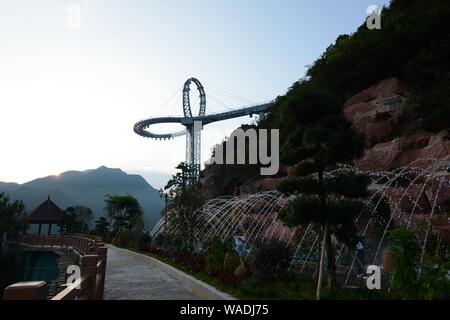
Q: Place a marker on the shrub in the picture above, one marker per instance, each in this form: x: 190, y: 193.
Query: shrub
x: 215, y: 254
x: 269, y: 259
x: 125, y: 239
x: 411, y: 280
x: 144, y: 242
x: 433, y: 283
x: 433, y: 280
x: 404, y: 252
x: 286, y: 289
x: 158, y: 241
x: 192, y: 261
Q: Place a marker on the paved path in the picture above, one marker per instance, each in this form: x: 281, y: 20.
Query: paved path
x: 131, y: 276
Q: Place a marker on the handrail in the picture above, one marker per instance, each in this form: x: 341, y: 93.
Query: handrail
x: 92, y: 252
x: 82, y: 244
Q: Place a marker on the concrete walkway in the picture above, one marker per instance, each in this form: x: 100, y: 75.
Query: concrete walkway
x: 131, y: 276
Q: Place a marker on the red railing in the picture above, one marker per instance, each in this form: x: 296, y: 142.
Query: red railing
x: 90, y: 286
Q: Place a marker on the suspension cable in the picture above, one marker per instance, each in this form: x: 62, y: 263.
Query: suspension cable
x: 228, y: 94
x: 219, y: 102
x: 170, y: 99
x: 176, y: 104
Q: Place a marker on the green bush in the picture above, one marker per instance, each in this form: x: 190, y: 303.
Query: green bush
x: 433, y: 282
x: 144, y: 242
x: 269, y: 259
x: 158, y: 241
x: 125, y: 239
x: 412, y: 280
x: 215, y: 253
x: 404, y: 253
x: 294, y: 288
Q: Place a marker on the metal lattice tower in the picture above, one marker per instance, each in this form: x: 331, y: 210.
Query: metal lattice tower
x: 194, y: 125
x: 193, y: 134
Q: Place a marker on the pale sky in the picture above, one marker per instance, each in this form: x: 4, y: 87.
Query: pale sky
x: 70, y: 93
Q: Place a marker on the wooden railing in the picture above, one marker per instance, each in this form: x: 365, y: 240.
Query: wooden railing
x: 92, y: 252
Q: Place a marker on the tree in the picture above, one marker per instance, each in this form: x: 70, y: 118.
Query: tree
x: 320, y: 140
x: 101, y: 227
x: 418, y: 273
x: 69, y: 222
x: 186, y: 213
x: 76, y: 220
x: 12, y: 218
x: 126, y: 213
x: 331, y: 204
x: 86, y: 216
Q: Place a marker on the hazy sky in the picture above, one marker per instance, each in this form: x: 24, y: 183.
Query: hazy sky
x: 70, y: 93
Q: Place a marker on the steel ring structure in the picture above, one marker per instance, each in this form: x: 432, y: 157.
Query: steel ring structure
x: 194, y: 124
x: 187, y: 102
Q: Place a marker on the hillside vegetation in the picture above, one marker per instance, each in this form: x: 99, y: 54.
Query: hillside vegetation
x: 413, y: 45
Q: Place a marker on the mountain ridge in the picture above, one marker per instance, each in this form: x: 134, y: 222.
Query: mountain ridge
x: 88, y: 188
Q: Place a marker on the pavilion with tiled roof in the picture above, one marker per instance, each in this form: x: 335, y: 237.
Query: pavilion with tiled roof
x: 46, y: 213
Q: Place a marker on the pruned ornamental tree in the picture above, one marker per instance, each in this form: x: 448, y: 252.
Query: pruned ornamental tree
x: 101, y: 228
x: 320, y: 140
x: 76, y: 220
x: 186, y: 215
x: 126, y: 213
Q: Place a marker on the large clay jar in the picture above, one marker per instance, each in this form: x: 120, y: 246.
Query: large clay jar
x: 241, y: 272
x: 388, y: 260
x: 230, y: 262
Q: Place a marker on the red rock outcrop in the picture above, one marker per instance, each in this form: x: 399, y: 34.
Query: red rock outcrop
x: 412, y: 200
x: 406, y: 150
x: 383, y: 111
x: 376, y: 111
x: 440, y: 191
x: 414, y: 205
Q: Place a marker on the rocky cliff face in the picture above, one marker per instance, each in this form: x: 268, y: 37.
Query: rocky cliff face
x: 386, y: 117
x: 404, y: 151
x: 384, y: 114
x: 377, y: 111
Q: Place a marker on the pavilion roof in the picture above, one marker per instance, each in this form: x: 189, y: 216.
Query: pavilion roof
x: 45, y: 212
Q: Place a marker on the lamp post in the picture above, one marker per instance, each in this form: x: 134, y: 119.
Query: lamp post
x: 165, y: 196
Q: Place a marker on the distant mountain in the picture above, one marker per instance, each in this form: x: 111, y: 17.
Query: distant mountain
x: 157, y: 179
x: 8, y: 186
x: 88, y: 188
